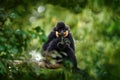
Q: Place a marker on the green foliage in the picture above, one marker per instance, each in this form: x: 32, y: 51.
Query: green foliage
x: 41, y: 33
x: 12, y: 41
x: 95, y: 29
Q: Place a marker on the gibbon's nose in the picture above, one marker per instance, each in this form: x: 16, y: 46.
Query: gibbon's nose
x: 62, y: 33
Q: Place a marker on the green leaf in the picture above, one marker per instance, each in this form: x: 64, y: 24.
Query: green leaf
x: 1, y: 33
x: 33, y: 34
x: 24, y: 35
x: 3, y: 39
x: 13, y: 50
x: 2, y: 48
x: 8, y: 32
x: 43, y: 38
x: 13, y: 15
x: 2, y: 68
x: 8, y: 46
x: 18, y: 32
x: 38, y: 29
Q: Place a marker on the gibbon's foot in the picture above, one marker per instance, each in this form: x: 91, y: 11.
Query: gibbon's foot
x: 81, y: 72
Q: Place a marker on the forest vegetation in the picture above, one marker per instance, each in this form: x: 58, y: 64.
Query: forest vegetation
x: 95, y: 26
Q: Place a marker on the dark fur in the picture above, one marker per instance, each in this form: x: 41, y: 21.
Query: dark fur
x: 52, y: 42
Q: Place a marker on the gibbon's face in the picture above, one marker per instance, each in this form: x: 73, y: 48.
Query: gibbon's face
x: 62, y: 33
x: 61, y: 30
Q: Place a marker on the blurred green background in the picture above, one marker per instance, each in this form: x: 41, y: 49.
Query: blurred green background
x: 95, y: 25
